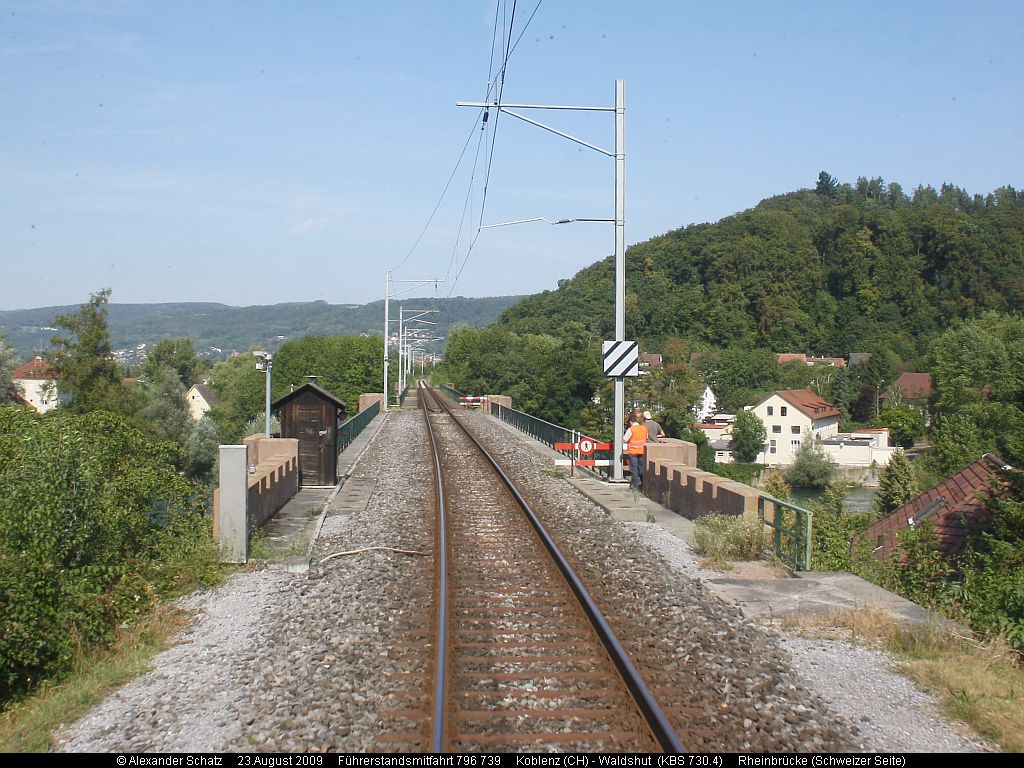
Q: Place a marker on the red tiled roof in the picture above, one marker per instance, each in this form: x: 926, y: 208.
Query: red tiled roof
x: 36, y: 369
x: 836, y: 362
x: 809, y: 402
x: 915, y: 385
x: 951, y: 505
x: 791, y: 357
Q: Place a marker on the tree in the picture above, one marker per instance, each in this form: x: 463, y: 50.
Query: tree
x: 164, y: 408
x: 812, y: 468
x: 826, y: 186
x: 177, y: 354
x: 978, y: 392
x: 897, y: 485
x: 748, y: 437
x: 775, y: 485
x: 83, y: 359
x: 8, y: 362
x: 905, y: 423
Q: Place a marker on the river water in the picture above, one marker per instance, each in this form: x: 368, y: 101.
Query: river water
x: 859, y: 498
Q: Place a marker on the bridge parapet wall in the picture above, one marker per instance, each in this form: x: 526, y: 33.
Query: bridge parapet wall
x: 673, y: 480
x: 272, y: 479
x: 368, y: 399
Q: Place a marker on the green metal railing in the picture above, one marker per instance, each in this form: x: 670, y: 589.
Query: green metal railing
x: 348, y: 431
x: 548, y: 433
x: 791, y: 528
x: 451, y: 394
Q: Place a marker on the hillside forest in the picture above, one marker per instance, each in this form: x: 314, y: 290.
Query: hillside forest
x: 931, y: 281
x: 926, y: 281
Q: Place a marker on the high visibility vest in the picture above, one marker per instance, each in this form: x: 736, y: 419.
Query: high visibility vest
x: 637, y: 440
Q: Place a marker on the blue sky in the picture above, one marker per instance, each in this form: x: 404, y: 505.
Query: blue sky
x: 264, y: 152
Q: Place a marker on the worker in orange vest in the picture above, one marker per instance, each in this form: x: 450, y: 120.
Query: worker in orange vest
x: 635, y: 440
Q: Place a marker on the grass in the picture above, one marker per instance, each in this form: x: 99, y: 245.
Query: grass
x: 978, y: 682
x: 723, y: 538
x: 28, y: 724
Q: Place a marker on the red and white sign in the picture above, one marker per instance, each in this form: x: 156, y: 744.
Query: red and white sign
x: 586, y: 446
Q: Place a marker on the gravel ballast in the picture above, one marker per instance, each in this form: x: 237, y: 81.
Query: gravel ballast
x: 304, y: 662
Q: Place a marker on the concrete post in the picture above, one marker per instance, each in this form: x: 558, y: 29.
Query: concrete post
x: 234, y: 494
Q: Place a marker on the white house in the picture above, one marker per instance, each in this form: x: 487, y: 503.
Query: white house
x: 200, y: 399
x: 38, y: 383
x: 792, y: 417
x: 859, y: 449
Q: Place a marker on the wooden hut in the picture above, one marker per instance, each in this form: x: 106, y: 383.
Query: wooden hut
x: 312, y: 415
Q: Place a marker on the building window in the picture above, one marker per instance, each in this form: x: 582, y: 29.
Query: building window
x: 771, y: 411
x: 795, y: 430
x: 771, y: 447
x: 783, y: 410
x: 776, y: 429
x: 794, y: 445
x: 720, y: 454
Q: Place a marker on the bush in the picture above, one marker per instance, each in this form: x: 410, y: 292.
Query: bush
x: 811, y: 468
x: 729, y: 537
x: 81, y: 550
x: 738, y: 471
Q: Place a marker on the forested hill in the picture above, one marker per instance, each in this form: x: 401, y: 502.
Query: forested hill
x: 238, y: 328
x: 829, y: 270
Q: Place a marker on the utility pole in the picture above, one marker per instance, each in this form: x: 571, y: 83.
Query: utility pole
x: 405, y: 331
x: 620, y: 269
x: 387, y: 320
x: 619, y: 155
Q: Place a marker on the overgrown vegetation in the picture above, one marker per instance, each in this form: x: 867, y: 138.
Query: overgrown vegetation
x: 978, y: 681
x: 96, y: 525
x: 30, y: 726
x: 982, y: 587
x: 722, y: 538
x: 811, y: 468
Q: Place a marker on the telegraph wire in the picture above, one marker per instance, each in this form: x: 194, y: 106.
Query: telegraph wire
x: 508, y: 47
x: 462, y: 154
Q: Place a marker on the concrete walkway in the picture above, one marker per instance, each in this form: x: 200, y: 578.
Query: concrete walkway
x: 288, y: 532
x: 767, y: 598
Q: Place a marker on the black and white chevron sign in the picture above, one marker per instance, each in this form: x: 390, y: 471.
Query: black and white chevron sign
x: 621, y: 358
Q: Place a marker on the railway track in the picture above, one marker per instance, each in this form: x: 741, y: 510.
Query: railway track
x: 515, y: 655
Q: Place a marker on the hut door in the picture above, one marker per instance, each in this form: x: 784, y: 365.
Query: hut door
x: 310, y: 422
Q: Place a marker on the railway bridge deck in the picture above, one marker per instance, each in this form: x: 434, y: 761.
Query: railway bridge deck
x: 321, y: 661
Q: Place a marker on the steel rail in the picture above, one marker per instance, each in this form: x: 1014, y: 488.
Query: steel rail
x: 441, y: 637
x: 655, y: 718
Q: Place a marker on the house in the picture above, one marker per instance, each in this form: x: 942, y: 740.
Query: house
x: 791, y: 417
x: 38, y: 382
x: 863, y: 448
x: 650, y: 361
x: 915, y: 388
x: 951, y: 506
x: 790, y: 358
x: 718, y: 430
x: 200, y: 399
